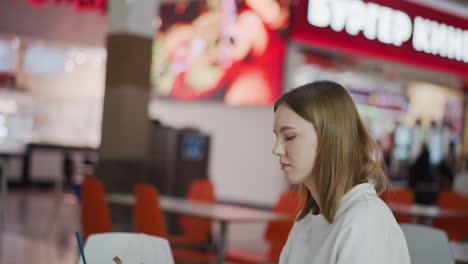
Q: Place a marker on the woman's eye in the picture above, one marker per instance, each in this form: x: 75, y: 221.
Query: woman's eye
x: 290, y: 138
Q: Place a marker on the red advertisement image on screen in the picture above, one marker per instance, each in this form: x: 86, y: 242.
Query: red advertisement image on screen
x: 227, y: 51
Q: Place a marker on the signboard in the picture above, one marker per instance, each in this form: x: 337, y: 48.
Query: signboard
x: 397, y: 31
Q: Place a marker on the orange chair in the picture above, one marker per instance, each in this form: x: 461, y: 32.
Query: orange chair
x: 95, y: 217
x: 276, y: 232
x: 148, y: 219
x: 400, y: 196
x: 456, y: 228
x: 196, y: 230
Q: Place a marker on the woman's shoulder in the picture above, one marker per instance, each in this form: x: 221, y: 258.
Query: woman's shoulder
x: 366, y: 208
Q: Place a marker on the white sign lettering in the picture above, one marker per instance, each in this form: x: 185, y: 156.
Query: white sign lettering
x: 440, y: 39
x: 389, y: 26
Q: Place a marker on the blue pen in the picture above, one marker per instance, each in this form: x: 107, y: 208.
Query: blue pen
x: 80, y: 245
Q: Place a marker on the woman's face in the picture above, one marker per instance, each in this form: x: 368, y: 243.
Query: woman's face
x: 296, y: 144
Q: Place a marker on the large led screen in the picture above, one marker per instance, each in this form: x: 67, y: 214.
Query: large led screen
x: 220, y: 50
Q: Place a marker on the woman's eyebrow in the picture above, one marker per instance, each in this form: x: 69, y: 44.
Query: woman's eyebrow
x: 284, y: 128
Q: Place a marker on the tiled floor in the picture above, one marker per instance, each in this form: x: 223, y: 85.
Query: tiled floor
x: 39, y: 229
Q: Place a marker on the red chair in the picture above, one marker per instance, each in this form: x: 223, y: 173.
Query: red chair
x: 148, y: 219
x: 276, y: 232
x: 95, y: 217
x: 456, y: 228
x: 400, y: 196
x: 196, y: 230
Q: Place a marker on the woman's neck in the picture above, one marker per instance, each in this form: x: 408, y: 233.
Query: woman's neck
x: 313, y: 191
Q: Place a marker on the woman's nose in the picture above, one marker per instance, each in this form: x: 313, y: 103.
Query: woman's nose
x: 278, y: 149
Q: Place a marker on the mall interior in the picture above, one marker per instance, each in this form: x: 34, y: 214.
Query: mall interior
x: 140, y: 131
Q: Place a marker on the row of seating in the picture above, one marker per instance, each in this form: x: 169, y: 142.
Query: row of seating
x: 426, y: 246
x: 456, y: 228
x: 148, y: 219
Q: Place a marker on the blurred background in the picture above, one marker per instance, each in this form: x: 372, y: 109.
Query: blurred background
x: 171, y: 92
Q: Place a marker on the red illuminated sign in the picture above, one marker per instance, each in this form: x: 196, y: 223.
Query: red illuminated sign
x: 396, y: 31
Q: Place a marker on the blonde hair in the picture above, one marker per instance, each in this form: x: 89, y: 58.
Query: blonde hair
x: 346, y: 154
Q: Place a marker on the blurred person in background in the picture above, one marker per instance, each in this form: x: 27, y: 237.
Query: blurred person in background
x: 421, y: 171
x: 449, y: 145
x: 461, y: 179
x: 418, y: 138
x: 446, y: 175
x: 401, y: 152
x: 442, y: 153
x: 323, y: 145
x: 387, y: 144
x: 435, y: 143
x: 423, y: 179
x: 446, y: 168
x: 89, y: 166
x: 68, y: 168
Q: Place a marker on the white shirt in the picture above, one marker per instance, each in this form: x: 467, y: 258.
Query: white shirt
x: 364, y: 231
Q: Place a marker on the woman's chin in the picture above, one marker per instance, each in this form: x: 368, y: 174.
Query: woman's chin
x: 291, y: 179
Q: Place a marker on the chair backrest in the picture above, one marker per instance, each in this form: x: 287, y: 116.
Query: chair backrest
x: 401, y: 196
x: 203, y: 191
x: 131, y: 248
x: 453, y: 200
x: 456, y: 228
x: 147, y: 214
x: 95, y: 217
x: 427, y: 245
x: 277, y: 231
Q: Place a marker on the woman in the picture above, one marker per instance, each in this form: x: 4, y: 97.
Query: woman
x: 323, y: 145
